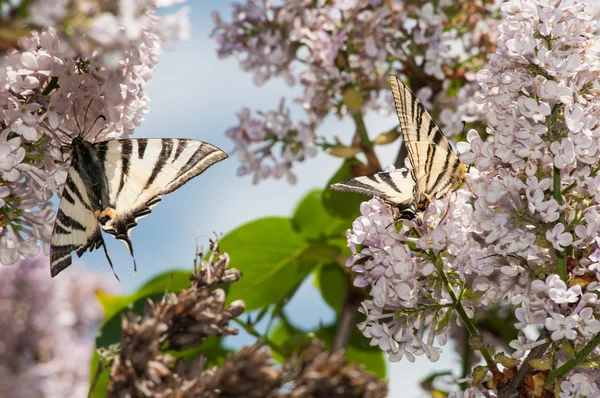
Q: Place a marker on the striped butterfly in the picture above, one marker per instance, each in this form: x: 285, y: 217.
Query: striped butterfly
x: 112, y: 184
x: 435, y: 171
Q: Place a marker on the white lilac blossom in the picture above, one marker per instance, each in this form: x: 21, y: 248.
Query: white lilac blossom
x: 52, y: 89
x: 524, y: 231
x: 330, y: 47
x: 47, y: 329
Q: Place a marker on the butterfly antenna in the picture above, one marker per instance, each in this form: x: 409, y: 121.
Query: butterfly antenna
x: 53, y: 136
x: 87, y: 108
x: 76, y: 120
x: 99, y: 132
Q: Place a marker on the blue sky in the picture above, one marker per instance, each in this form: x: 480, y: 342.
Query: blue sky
x: 196, y: 95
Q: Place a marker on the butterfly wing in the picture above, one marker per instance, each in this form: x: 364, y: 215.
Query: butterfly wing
x: 140, y: 171
x: 76, y: 226
x: 395, y: 187
x: 436, y: 168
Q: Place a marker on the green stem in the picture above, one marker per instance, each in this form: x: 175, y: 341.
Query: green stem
x: 561, y: 263
x: 362, y: 130
x: 466, y: 360
x: 365, y: 143
x: 556, y: 193
x: 99, y: 371
x: 465, y: 318
x: 574, y: 362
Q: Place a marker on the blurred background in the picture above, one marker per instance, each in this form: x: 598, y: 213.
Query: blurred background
x: 196, y: 95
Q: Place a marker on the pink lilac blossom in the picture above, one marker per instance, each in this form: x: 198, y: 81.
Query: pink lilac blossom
x: 47, y: 330
x: 331, y: 46
x: 53, y: 89
x: 503, y: 235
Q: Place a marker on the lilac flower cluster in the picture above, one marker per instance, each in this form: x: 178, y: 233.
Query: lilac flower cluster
x: 333, y: 46
x: 54, y: 88
x: 277, y: 126
x: 47, y: 330
x: 525, y: 229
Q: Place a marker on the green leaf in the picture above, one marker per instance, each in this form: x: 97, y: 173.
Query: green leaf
x: 352, y: 99
x: 333, y: 284
x: 312, y: 221
x: 272, y: 257
x: 343, y: 204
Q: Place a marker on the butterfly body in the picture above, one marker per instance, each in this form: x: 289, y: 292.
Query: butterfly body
x: 436, y: 169
x: 112, y: 184
x: 91, y: 169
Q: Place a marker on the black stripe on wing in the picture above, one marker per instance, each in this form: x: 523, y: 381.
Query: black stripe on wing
x: 165, y: 153
x: 205, y: 156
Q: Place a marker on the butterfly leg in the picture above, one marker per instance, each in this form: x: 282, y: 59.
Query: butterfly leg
x: 108, y: 257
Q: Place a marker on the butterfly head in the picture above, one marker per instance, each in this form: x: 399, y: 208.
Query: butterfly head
x: 106, y: 217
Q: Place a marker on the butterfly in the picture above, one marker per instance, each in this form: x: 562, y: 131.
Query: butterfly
x: 436, y: 169
x: 111, y: 184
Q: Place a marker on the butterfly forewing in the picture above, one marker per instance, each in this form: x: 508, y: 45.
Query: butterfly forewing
x: 436, y: 167
x: 130, y: 176
x: 140, y: 171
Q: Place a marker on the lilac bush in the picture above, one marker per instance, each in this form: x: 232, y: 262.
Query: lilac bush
x: 84, y: 62
x: 523, y: 232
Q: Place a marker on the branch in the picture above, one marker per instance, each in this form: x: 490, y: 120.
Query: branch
x: 512, y: 389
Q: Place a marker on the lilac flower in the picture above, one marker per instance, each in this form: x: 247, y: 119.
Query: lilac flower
x: 558, y: 237
x: 561, y: 327
x: 559, y: 293
x: 588, y: 325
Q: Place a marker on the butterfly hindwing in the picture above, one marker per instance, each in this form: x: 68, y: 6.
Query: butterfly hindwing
x: 395, y: 187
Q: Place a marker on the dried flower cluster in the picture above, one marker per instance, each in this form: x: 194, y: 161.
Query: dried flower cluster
x: 179, y: 322
x: 56, y: 86
x: 333, y: 46
x: 525, y: 232
x: 47, y: 330
x: 184, y: 321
